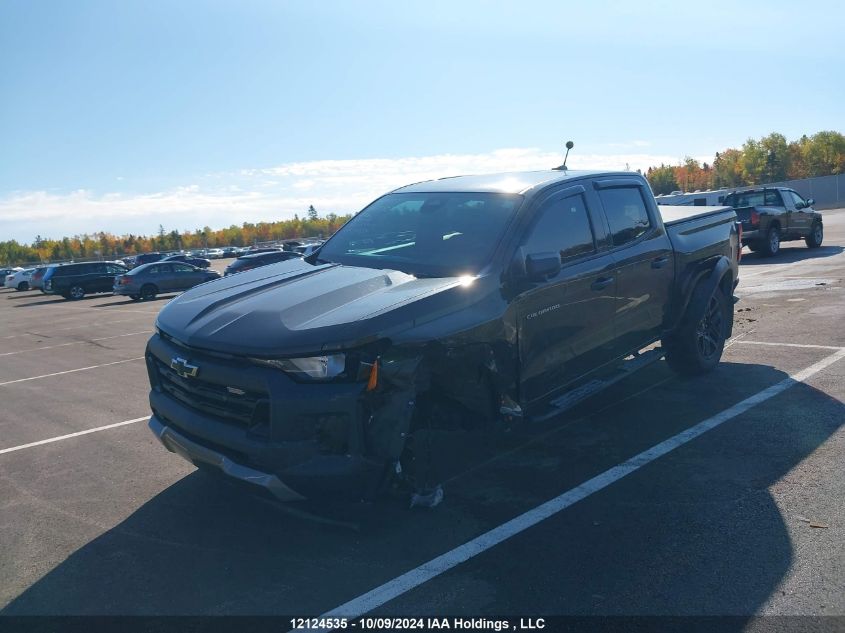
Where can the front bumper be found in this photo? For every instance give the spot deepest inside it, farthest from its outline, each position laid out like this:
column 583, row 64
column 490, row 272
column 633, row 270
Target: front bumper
column 311, row 437
column 198, row 454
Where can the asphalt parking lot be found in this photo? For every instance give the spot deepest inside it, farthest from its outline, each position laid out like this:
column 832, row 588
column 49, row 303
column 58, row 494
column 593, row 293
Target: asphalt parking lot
column 742, row 516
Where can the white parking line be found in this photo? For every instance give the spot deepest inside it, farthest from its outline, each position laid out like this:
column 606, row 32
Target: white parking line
column 69, row 371
column 70, row 435
column 105, row 309
column 773, row 344
column 93, row 340
column 63, row 329
column 414, row 578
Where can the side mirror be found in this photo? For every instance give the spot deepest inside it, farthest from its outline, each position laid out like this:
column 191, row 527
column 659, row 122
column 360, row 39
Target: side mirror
column 540, row 266
column 811, row 202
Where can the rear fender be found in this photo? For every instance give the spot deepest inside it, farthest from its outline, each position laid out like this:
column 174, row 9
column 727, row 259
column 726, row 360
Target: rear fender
column 711, row 273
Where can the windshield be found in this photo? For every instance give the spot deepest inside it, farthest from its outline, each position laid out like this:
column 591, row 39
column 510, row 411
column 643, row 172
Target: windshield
column 428, row 234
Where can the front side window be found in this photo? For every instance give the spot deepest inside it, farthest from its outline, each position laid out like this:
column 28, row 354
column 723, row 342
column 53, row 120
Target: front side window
column 182, row 268
column 428, row 234
column 626, row 213
column 563, row 227
column 798, row 200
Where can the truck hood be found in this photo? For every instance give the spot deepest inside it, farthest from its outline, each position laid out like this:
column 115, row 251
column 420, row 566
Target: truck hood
column 294, row 308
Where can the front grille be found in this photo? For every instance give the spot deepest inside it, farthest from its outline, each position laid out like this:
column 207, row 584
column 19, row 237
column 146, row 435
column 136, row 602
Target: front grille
column 247, row 409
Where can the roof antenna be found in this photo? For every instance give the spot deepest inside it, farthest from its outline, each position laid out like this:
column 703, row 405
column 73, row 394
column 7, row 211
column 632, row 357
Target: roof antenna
column 569, row 146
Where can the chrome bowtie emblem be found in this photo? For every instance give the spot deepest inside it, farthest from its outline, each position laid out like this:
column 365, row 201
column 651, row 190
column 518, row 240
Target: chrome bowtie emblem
column 183, row 367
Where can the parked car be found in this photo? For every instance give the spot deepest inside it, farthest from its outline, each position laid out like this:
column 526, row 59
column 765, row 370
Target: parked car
column 771, row 215
column 231, row 251
column 188, row 259
column 19, row 280
column 5, row 272
column 214, row 253
column 147, row 258
column 74, row 281
column 36, row 282
column 149, row 280
column 444, row 311
column 256, row 260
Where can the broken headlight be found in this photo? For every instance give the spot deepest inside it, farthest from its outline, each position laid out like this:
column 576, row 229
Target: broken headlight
column 311, row 368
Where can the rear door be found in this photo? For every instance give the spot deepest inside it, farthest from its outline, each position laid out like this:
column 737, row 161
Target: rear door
column 565, row 323
column 785, row 209
column 644, row 262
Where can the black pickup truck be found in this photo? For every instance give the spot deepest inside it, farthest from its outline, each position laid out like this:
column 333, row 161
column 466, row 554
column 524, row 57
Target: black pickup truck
column 771, row 215
column 443, row 310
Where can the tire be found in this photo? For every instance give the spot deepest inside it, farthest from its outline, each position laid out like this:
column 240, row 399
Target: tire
column 76, row 293
column 814, row 239
column 23, row 286
column 148, row 292
column 771, row 245
column 697, row 346
column 754, row 247
column 135, row 297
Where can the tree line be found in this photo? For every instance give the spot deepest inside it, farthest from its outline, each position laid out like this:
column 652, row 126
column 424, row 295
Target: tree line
column 769, row 159
column 105, row 245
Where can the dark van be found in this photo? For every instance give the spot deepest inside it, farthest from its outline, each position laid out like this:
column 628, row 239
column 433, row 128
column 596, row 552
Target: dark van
column 74, row 281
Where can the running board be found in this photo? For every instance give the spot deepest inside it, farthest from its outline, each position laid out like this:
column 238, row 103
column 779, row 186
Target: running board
column 592, row 387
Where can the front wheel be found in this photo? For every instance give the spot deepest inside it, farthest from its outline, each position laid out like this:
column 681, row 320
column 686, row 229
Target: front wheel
column 697, row 346
column 76, row 293
column 814, row 239
column 23, row 286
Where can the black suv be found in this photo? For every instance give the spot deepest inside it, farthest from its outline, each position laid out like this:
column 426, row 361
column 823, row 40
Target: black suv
column 148, row 258
column 74, row 281
column 255, row 260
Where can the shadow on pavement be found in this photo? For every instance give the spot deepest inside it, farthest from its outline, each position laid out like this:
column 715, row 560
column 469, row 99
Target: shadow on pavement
column 695, row 532
column 790, row 255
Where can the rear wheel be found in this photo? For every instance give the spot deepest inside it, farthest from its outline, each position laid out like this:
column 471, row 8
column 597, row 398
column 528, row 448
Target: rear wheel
column 24, row 285
column 771, row 244
column 148, row 292
column 754, row 247
column 135, row 297
column 76, row 293
column 697, row 345
column 814, row 239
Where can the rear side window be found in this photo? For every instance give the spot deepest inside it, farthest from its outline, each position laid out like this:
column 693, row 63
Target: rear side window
column 626, row 213
column 564, row 227
column 773, row 198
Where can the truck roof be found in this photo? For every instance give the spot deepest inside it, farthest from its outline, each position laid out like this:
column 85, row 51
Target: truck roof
column 507, row 182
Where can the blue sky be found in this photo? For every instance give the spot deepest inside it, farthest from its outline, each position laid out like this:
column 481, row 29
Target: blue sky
column 125, row 115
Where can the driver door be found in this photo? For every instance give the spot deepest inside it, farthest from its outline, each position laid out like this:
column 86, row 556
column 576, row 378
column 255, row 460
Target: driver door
column 565, row 322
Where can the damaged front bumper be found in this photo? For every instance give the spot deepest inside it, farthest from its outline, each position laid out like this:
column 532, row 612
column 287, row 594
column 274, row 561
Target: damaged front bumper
column 257, row 425
column 198, row 454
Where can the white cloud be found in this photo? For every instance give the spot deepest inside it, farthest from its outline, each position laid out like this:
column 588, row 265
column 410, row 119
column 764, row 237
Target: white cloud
column 273, row 193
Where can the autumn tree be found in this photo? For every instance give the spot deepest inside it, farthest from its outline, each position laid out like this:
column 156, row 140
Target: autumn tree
column 662, row 179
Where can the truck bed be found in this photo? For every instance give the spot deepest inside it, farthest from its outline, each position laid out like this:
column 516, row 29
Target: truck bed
column 673, row 214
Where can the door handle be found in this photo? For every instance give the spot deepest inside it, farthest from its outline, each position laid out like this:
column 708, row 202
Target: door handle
column 659, row 262
column 601, row 283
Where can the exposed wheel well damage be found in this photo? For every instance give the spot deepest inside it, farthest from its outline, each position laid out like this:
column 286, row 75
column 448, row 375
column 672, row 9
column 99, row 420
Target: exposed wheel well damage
column 428, row 400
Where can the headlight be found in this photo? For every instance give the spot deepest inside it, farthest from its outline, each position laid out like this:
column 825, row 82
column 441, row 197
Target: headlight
column 310, row 368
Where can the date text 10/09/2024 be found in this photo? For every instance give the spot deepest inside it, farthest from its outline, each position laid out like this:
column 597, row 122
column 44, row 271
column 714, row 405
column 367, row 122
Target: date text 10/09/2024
column 418, row 624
